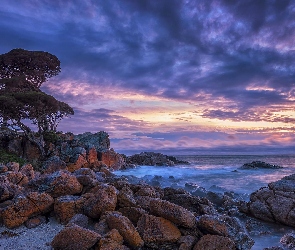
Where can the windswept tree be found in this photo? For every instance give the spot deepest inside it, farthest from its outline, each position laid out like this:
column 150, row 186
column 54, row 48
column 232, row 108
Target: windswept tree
column 35, row 66
column 21, row 99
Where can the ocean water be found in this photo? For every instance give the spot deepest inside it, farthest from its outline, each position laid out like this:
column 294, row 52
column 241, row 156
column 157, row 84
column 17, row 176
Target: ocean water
column 220, row 173
column 216, row 172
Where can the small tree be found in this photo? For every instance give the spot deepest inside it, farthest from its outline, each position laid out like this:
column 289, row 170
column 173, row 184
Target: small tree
column 21, row 99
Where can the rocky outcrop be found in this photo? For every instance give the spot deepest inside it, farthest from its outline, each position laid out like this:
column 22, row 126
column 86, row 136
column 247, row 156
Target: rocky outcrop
column 275, row 203
column 122, row 215
column 258, row 165
column 153, row 159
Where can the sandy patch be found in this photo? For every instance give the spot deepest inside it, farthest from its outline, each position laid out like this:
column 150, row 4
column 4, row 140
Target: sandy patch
column 23, row 238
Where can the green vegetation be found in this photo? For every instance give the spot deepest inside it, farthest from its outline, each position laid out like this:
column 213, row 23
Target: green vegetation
column 6, row 157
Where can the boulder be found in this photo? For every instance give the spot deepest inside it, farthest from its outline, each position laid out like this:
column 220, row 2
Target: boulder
column 112, row 241
column 175, row 213
column 214, row 242
column 75, row 238
column 116, row 220
column 157, row 230
column 225, row 226
column 24, row 207
column 101, row 198
column 275, row 203
column 60, row 183
column 86, row 177
column 53, row 164
column 197, row 205
column 126, row 198
column 7, row 189
column 65, row 207
column 132, row 213
column 28, row 171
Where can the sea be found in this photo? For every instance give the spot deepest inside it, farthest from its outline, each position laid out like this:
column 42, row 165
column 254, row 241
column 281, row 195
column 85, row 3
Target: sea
column 220, row 173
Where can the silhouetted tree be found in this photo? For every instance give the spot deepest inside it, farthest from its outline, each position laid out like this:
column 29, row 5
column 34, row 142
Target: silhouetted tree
column 21, row 99
column 35, row 66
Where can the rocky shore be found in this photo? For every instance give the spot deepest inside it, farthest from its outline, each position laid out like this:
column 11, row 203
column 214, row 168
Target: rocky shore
column 97, row 210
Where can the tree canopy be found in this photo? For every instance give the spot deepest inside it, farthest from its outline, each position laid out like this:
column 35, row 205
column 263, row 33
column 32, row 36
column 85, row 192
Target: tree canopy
column 21, row 74
column 35, row 66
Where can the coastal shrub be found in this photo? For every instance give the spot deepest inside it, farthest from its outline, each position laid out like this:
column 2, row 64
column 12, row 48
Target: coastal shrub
column 6, row 157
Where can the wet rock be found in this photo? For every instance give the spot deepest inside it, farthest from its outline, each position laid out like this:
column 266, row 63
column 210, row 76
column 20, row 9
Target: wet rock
column 75, row 238
column 53, row 164
column 214, row 242
column 259, row 164
column 226, row 226
column 274, row 203
column 288, row 241
column 116, row 220
column 157, row 230
column 61, row 183
column 175, row 213
column 24, row 207
column 112, row 241
column 101, row 198
column 65, row 207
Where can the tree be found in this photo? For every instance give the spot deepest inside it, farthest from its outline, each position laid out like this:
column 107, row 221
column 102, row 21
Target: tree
column 21, row 99
column 35, row 66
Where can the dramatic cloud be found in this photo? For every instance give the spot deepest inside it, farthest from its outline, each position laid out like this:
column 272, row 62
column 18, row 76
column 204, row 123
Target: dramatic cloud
column 169, row 66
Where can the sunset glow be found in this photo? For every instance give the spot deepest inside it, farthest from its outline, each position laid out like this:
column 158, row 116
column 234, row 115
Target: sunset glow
column 168, row 75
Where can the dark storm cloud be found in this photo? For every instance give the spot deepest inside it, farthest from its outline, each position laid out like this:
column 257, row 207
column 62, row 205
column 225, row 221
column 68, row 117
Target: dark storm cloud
column 174, row 49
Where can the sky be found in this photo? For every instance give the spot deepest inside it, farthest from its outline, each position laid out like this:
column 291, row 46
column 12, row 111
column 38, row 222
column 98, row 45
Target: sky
column 174, row 76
